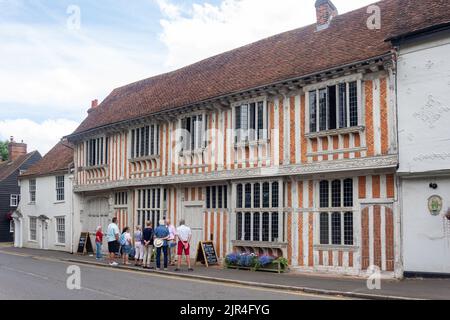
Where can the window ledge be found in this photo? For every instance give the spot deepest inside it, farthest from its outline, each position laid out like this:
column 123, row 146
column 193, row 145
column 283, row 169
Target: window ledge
column 324, row 247
column 33, row 203
column 335, row 132
column 59, row 202
column 251, row 143
column 104, row 166
column 190, row 153
column 154, row 157
column 259, row 244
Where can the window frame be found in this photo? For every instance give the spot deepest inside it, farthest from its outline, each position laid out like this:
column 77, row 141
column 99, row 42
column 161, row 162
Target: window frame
column 58, row 231
column 32, row 221
column 146, row 148
column 314, row 128
column 96, row 151
column 255, row 130
column 331, row 212
column 14, row 200
column 151, row 205
column 269, row 219
column 197, row 138
column 60, row 190
column 32, row 187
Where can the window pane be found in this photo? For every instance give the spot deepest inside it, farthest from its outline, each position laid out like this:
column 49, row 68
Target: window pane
column 208, row 197
column 219, row 197
column 265, row 227
column 256, row 195
column 225, row 197
column 260, row 120
column 239, row 226
column 266, row 195
column 324, row 194
column 239, row 196
column 213, row 198
column 348, row 193
column 336, row 193
column 247, row 227
column 332, row 119
column 348, row 228
column 336, row 228
column 275, row 198
column 252, row 121
column 256, row 222
column 248, row 195
column 342, row 105
column 312, row 111
column 353, row 96
column 323, row 110
column 324, row 228
column 275, row 227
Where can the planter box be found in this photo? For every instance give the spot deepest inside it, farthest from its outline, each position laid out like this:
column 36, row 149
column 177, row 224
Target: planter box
column 275, row 267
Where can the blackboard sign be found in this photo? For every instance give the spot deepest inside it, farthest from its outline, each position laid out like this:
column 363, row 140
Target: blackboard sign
column 85, row 244
column 206, row 253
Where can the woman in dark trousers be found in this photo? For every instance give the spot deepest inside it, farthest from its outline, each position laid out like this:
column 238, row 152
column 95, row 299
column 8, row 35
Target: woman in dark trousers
column 147, row 241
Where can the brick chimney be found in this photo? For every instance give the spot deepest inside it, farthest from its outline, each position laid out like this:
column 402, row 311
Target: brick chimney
column 94, row 105
column 326, row 11
column 16, row 150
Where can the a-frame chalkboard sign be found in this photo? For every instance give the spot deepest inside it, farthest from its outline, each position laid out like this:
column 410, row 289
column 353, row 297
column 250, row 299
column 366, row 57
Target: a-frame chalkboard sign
column 85, row 244
column 206, row 253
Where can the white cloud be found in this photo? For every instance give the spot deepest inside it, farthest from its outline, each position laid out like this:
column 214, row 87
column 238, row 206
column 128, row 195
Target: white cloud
column 63, row 70
column 203, row 30
column 39, row 136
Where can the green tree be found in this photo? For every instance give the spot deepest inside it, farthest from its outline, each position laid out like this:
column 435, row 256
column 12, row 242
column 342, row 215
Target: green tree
column 4, row 150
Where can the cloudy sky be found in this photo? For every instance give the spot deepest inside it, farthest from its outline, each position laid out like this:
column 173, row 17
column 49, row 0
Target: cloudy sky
column 57, row 55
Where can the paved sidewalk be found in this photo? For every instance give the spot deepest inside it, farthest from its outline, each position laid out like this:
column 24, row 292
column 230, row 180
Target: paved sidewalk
column 345, row 286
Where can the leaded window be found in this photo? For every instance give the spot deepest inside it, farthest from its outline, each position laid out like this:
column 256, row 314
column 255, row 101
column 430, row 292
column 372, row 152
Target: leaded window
column 336, row 216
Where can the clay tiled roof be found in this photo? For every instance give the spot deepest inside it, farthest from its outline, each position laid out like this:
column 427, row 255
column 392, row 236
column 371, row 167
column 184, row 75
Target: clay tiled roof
column 7, row 168
column 289, row 55
column 58, row 159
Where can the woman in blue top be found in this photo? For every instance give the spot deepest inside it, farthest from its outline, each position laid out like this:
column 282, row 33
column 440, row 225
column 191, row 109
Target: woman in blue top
column 161, row 235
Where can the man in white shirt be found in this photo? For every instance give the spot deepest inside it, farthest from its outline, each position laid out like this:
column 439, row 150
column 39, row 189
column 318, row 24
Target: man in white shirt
column 113, row 241
column 184, row 235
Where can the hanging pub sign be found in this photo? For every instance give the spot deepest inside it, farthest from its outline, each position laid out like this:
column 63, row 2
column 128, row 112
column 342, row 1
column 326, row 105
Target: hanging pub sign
column 85, row 244
column 435, row 205
column 206, row 253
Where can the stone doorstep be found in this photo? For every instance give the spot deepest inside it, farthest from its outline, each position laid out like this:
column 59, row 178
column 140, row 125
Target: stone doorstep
column 327, row 292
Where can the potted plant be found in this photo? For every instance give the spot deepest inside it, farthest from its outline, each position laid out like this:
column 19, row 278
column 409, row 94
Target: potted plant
column 250, row 261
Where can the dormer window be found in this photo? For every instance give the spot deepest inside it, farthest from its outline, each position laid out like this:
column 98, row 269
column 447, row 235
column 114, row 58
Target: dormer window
column 145, row 141
column 334, row 106
column 251, row 121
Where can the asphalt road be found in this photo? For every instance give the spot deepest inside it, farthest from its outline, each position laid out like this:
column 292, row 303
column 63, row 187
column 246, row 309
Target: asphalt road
column 26, row 278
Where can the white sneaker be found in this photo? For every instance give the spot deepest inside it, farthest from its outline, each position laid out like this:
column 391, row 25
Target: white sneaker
column 113, row 264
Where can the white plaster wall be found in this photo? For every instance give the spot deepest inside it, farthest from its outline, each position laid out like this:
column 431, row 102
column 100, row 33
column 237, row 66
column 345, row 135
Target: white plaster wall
column 424, row 105
column 47, row 205
column 426, row 238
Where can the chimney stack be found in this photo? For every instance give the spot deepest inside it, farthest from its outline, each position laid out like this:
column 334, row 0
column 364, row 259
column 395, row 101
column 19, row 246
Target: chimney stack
column 326, row 11
column 15, row 149
column 94, row 105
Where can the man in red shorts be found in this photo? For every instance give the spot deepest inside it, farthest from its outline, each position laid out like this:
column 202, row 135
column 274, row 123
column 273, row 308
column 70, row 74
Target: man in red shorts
column 184, row 235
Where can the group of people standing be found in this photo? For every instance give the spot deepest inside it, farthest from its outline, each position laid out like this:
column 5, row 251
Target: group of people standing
column 165, row 238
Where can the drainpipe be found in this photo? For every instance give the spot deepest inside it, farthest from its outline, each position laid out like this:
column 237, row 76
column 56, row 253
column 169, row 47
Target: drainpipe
column 72, row 213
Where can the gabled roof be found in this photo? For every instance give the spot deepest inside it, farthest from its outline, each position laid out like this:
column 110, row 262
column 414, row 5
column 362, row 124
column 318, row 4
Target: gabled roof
column 57, row 160
column 289, row 55
column 7, row 168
